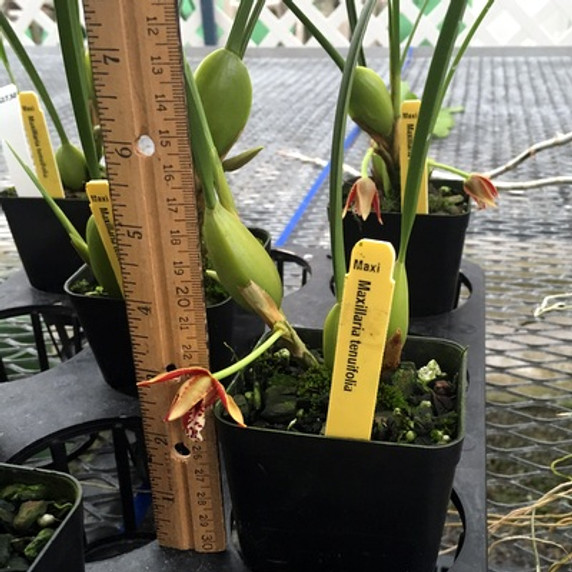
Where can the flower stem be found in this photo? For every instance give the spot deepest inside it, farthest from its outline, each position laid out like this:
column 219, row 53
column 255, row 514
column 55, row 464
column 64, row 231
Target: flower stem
column 449, row 168
column 364, row 171
column 254, row 354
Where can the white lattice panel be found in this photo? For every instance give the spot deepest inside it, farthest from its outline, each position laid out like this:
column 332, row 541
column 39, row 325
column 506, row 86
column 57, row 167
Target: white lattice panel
column 509, row 23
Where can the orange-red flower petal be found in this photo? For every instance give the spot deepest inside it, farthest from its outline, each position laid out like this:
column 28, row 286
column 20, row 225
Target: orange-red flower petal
column 363, row 196
column 481, row 189
column 195, row 395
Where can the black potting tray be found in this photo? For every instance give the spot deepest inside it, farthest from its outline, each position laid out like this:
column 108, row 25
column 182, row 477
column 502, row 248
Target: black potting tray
column 46, row 410
column 18, row 298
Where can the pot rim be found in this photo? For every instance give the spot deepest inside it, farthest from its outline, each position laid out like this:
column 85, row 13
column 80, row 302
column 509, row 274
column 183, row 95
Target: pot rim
column 461, row 409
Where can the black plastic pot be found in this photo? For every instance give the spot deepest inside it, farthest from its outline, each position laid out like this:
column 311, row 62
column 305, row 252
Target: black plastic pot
column 64, row 551
column 307, row 502
column 433, row 257
column 43, row 245
column 104, row 321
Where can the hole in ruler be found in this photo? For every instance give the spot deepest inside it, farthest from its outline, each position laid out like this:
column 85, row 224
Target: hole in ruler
column 182, row 449
column 170, row 367
column 145, row 145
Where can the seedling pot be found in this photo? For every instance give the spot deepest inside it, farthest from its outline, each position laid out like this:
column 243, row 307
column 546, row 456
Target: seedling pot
column 44, row 246
column 433, row 256
column 307, row 502
column 64, row 550
column 104, row 321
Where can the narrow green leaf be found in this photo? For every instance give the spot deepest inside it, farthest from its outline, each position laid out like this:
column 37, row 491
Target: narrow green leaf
column 316, row 33
column 352, row 21
column 239, row 24
column 393, row 8
column 75, row 237
column 35, row 78
column 206, row 159
column 73, row 52
column 431, row 102
column 412, row 33
column 201, row 140
column 5, row 61
column 467, row 41
column 238, row 161
column 251, row 24
column 337, row 156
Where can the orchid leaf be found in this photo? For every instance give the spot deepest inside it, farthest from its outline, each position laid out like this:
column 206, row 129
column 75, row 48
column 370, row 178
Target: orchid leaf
column 316, row 33
column 5, row 61
column 337, row 156
column 202, row 145
column 76, row 239
column 249, row 28
column 431, row 102
column 73, row 52
column 32, row 73
column 238, row 161
column 234, row 42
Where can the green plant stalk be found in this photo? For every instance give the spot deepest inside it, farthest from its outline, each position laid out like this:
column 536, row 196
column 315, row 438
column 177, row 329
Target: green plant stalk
column 431, row 101
column 316, row 33
column 393, row 8
column 466, row 42
column 206, row 159
column 276, row 334
column 412, row 34
column 75, row 237
column 352, row 20
column 32, row 73
column 249, row 28
column 4, row 58
column 368, row 155
column 337, row 157
column 71, row 41
column 449, row 168
column 234, row 41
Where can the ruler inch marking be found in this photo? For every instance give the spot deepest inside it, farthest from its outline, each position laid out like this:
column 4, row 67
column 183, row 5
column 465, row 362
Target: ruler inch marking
column 138, row 71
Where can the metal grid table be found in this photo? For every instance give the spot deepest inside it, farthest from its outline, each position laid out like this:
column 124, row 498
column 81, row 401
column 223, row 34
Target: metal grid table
column 512, row 99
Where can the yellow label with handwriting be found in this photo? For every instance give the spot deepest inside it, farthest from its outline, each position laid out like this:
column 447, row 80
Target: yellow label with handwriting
column 40, row 145
column 407, row 124
column 362, row 331
column 100, row 205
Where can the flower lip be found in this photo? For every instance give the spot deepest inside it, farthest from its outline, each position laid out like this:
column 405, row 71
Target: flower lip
column 195, row 395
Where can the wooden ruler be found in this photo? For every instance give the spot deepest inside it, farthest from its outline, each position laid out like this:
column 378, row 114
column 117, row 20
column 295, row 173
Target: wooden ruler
column 137, row 65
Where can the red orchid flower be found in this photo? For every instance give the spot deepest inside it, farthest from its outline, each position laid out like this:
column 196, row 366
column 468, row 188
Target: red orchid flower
column 362, row 197
column 196, row 394
column 481, row 189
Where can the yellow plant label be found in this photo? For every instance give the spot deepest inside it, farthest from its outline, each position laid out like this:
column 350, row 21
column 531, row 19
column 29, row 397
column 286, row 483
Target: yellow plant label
column 100, row 205
column 40, row 145
column 12, row 133
column 362, row 332
column 407, row 124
